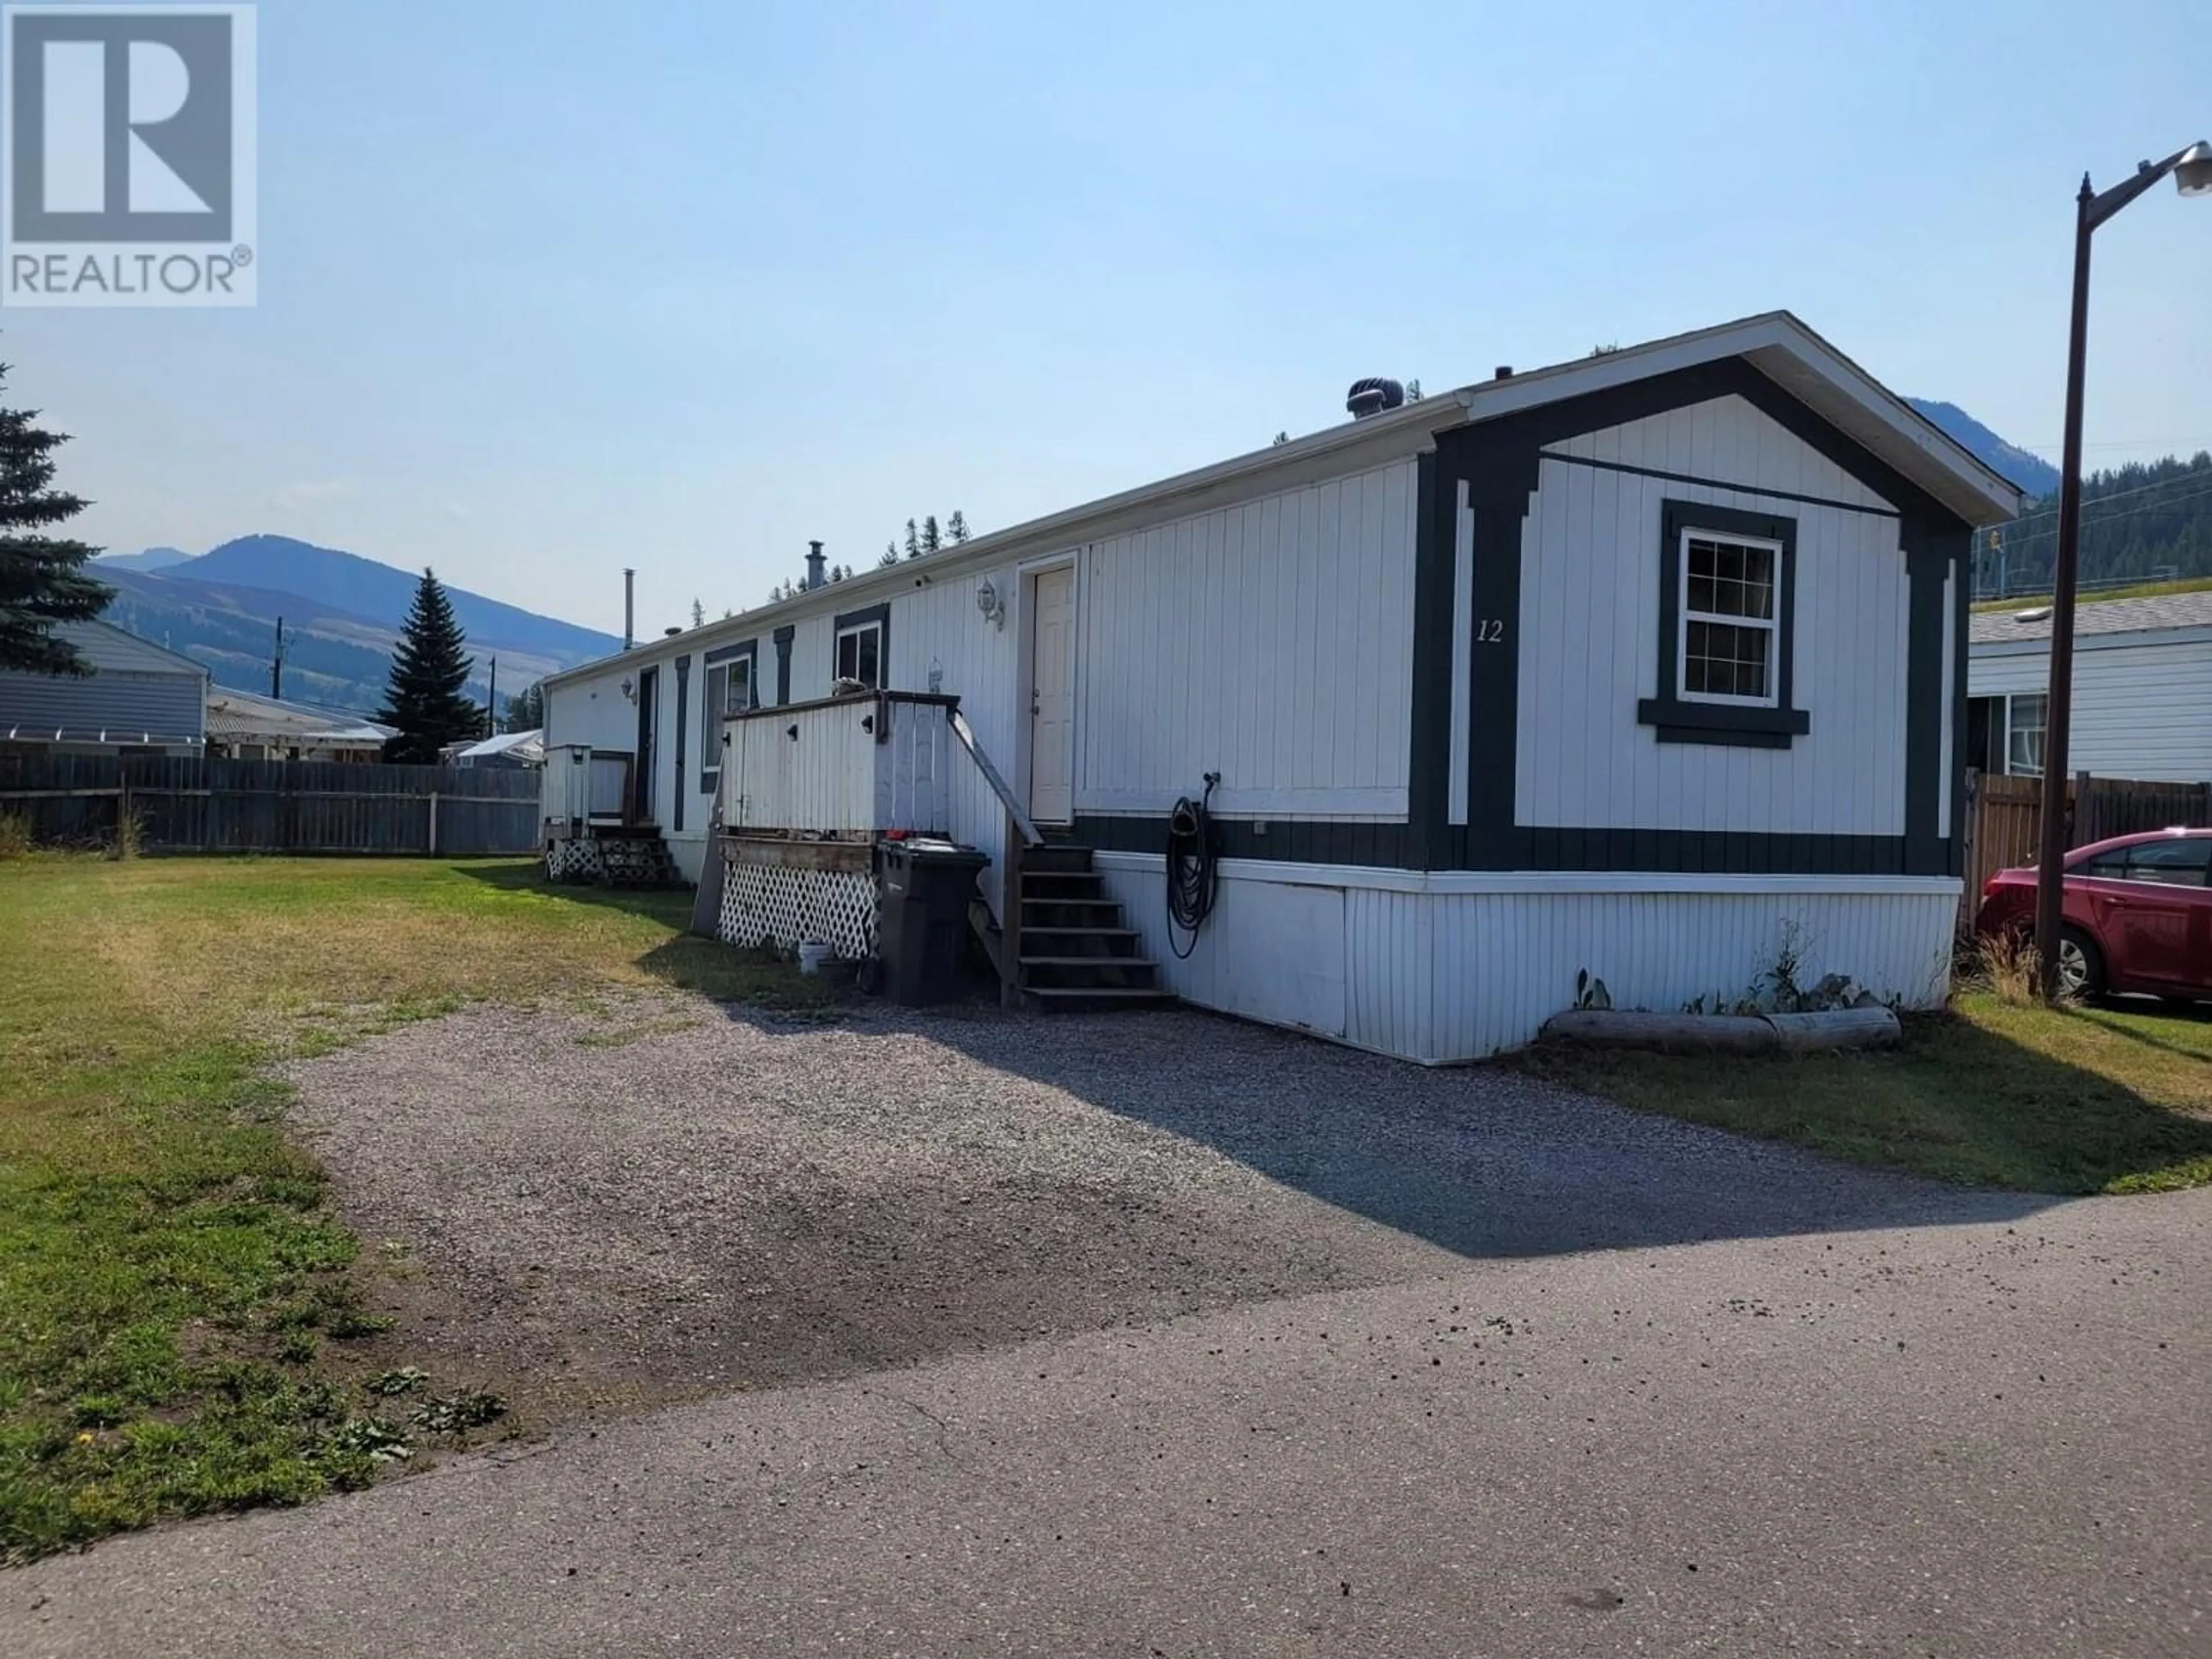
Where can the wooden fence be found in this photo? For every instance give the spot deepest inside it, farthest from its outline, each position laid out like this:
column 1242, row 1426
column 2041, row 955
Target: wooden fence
column 194, row 804
column 2004, row 819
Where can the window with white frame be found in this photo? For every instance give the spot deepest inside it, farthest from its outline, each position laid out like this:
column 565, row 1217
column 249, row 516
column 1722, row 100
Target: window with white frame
column 1730, row 631
column 860, row 653
column 1727, row 594
column 728, row 690
column 2024, row 716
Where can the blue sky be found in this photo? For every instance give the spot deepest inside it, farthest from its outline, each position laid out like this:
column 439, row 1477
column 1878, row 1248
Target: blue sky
column 550, row 289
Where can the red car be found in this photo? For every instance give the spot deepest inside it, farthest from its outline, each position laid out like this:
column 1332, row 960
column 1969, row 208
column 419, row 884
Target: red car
column 2138, row 913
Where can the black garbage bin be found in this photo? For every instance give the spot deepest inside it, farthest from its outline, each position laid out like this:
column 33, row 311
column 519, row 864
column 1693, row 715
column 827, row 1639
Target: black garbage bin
column 926, row 884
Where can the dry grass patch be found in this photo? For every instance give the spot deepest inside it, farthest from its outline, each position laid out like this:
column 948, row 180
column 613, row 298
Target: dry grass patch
column 176, row 1298
column 2098, row 1098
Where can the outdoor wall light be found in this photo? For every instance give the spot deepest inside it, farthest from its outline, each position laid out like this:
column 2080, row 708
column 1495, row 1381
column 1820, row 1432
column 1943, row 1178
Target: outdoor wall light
column 630, row 689
column 988, row 601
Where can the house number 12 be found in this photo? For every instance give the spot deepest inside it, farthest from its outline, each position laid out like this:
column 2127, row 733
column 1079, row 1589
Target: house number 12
column 1489, row 630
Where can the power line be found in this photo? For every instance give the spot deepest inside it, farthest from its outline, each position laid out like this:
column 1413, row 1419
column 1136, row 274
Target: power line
column 2188, row 477
column 2089, row 518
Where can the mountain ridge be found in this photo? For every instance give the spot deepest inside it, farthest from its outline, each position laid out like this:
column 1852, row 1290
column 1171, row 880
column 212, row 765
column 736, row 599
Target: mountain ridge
column 343, row 614
column 2035, row 475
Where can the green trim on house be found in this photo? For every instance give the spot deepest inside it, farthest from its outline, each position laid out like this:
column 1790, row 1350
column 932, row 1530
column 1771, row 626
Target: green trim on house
column 784, row 636
column 1500, row 461
column 1688, row 719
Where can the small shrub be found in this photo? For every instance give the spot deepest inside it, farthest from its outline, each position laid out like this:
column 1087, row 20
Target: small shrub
column 450, row 1414
column 14, row 836
column 405, row 1380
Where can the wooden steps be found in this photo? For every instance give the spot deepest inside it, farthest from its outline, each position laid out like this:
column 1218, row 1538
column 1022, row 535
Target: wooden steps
column 1075, row 950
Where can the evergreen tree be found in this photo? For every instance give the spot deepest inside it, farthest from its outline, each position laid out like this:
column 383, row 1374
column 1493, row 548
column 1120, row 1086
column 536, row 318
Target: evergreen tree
column 931, row 538
column 913, row 541
column 427, row 699
column 1413, row 389
column 956, row 527
column 1280, row 438
column 698, row 614
column 43, row 579
column 525, row 709
column 891, row 556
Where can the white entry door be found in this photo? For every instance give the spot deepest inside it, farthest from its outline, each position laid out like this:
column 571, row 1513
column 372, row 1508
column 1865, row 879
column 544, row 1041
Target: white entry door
column 1051, row 695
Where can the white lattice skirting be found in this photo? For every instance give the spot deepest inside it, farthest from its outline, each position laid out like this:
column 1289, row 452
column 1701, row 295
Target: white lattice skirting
column 763, row 903
column 573, row 860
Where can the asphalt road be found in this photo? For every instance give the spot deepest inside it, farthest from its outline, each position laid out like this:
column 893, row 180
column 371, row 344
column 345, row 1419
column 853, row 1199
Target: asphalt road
column 1979, row 1438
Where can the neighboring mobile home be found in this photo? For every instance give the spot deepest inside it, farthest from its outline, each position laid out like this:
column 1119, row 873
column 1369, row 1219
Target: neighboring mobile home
column 2142, row 687
column 245, row 726
column 138, row 699
column 1647, row 666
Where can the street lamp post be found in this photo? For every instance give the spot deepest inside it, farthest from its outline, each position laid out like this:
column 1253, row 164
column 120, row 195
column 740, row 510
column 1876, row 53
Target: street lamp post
column 2192, row 175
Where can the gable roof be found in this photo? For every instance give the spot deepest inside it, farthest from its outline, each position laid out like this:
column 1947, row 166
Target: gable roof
column 247, row 716
column 1775, row 343
column 115, row 650
column 2157, row 613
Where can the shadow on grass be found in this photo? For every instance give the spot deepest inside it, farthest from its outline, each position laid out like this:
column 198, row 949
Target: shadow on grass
column 751, row 979
column 1981, row 1098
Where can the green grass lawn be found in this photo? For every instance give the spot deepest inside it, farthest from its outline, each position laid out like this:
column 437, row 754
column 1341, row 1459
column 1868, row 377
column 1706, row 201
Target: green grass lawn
column 176, row 1300
column 2107, row 1098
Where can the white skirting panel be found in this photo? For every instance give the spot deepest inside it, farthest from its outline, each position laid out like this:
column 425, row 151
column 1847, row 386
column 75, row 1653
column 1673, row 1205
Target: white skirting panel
column 1436, row 970
column 1506, row 962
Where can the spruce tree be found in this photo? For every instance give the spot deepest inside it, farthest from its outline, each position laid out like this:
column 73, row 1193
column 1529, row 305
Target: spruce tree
column 956, row 527
column 426, row 699
column 891, row 556
column 913, row 541
column 43, row 579
column 525, row 710
column 931, row 540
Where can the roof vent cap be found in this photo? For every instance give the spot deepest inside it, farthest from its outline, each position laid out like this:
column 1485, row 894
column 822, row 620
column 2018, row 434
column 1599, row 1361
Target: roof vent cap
column 1372, row 396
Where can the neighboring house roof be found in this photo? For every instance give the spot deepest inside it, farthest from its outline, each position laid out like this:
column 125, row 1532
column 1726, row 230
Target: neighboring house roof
column 1775, row 343
column 2029, row 623
column 109, row 649
column 246, row 717
column 523, row 745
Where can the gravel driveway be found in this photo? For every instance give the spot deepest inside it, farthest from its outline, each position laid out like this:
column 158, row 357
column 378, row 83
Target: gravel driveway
column 671, row 1198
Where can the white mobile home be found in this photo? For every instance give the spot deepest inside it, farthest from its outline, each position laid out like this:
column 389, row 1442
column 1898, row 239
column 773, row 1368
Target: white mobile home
column 1636, row 665
column 2142, row 687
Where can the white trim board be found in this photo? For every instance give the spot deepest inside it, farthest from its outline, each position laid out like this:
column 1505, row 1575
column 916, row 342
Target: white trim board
column 1545, row 881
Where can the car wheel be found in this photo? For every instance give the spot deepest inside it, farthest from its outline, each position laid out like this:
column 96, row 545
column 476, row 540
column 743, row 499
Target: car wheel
column 2081, row 964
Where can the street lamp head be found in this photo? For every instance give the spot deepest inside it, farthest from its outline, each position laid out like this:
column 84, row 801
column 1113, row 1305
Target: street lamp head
column 2192, row 174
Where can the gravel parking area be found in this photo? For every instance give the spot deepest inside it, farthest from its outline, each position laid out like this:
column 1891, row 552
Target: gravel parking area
column 668, row 1197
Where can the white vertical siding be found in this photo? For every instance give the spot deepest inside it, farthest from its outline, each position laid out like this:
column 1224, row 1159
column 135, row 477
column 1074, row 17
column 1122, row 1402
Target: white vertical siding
column 1505, row 962
column 1271, row 641
column 937, row 628
column 1389, row 945
column 824, row 779
column 1445, row 976
column 2140, row 711
column 1726, row 438
column 1589, row 640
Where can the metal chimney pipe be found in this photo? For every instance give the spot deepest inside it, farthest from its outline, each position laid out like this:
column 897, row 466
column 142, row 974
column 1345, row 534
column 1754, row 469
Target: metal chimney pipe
column 629, row 607
column 815, row 574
